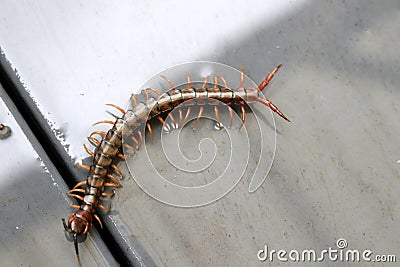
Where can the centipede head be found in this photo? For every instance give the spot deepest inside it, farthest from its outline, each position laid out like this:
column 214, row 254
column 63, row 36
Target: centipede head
column 79, row 224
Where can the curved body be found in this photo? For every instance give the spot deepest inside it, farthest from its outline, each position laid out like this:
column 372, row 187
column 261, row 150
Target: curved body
column 80, row 222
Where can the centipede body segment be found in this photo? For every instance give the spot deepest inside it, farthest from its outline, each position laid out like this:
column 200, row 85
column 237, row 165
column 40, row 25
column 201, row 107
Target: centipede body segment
column 103, row 173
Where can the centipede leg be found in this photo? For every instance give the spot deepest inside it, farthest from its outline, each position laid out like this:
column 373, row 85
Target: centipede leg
column 74, row 206
column 153, row 90
column 85, row 167
column 204, row 86
column 79, row 184
column 108, row 195
column 150, row 131
column 104, row 121
column 134, row 140
column 198, row 117
column 93, row 141
column 217, row 116
column 187, row 114
column 75, row 195
column 230, row 116
column 127, row 146
column 163, row 123
column 78, row 190
column 117, row 107
column 215, row 82
column 88, row 150
column 98, row 220
column 114, row 179
column 264, row 83
column 118, row 170
column 173, row 119
column 243, row 114
column 189, row 83
column 111, row 185
column 171, row 84
column 134, row 100
column 103, row 207
column 101, row 133
column 223, row 81
column 241, row 84
column 140, row 138
column 180, row 118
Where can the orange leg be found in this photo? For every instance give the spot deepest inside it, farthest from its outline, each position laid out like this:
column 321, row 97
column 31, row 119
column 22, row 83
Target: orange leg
column 217, row 115
column 111, row 184
column 241, row 84
column 75, row 195
column 98, row 220
column 243, row 114
column 117, row 107
column 104, row 121
column 88, row 150
column 230, row 116
column 104, row 194
column 187, row 114
column 103, row 207
column 74, row 206
column 150, row 131
column 140, row 138
column 79, row 184
column 198, row 117
column 114, row 179
column 153, row 90
column 134, row 100
column 204, row 86
column 101, row 133
column 78, row 190
column 93, row 141
column 85, row 167
column 180, row 117
column 189, row 83
column 171, row 84
column 118, row 170
column 223, row 81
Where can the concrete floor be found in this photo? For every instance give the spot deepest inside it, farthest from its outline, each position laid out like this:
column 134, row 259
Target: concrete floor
column 335, row 173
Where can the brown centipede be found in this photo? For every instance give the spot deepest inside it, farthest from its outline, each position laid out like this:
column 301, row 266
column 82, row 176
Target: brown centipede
column 103, row 172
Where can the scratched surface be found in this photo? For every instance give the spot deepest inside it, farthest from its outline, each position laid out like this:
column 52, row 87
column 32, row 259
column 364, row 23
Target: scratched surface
column 335, row 173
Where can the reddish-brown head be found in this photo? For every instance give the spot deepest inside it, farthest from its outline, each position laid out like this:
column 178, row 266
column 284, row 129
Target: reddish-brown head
column 79, row 223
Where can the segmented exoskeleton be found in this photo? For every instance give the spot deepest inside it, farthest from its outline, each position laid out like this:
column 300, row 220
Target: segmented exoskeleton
column 103, row 169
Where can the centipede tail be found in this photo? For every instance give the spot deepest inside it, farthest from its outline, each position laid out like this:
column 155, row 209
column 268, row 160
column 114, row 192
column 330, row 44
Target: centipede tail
column 103, row 174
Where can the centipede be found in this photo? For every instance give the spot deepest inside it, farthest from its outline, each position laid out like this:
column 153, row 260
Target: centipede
column 103, row 173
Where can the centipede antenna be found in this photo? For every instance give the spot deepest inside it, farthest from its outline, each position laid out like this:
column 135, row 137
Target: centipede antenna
column 76, row 249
